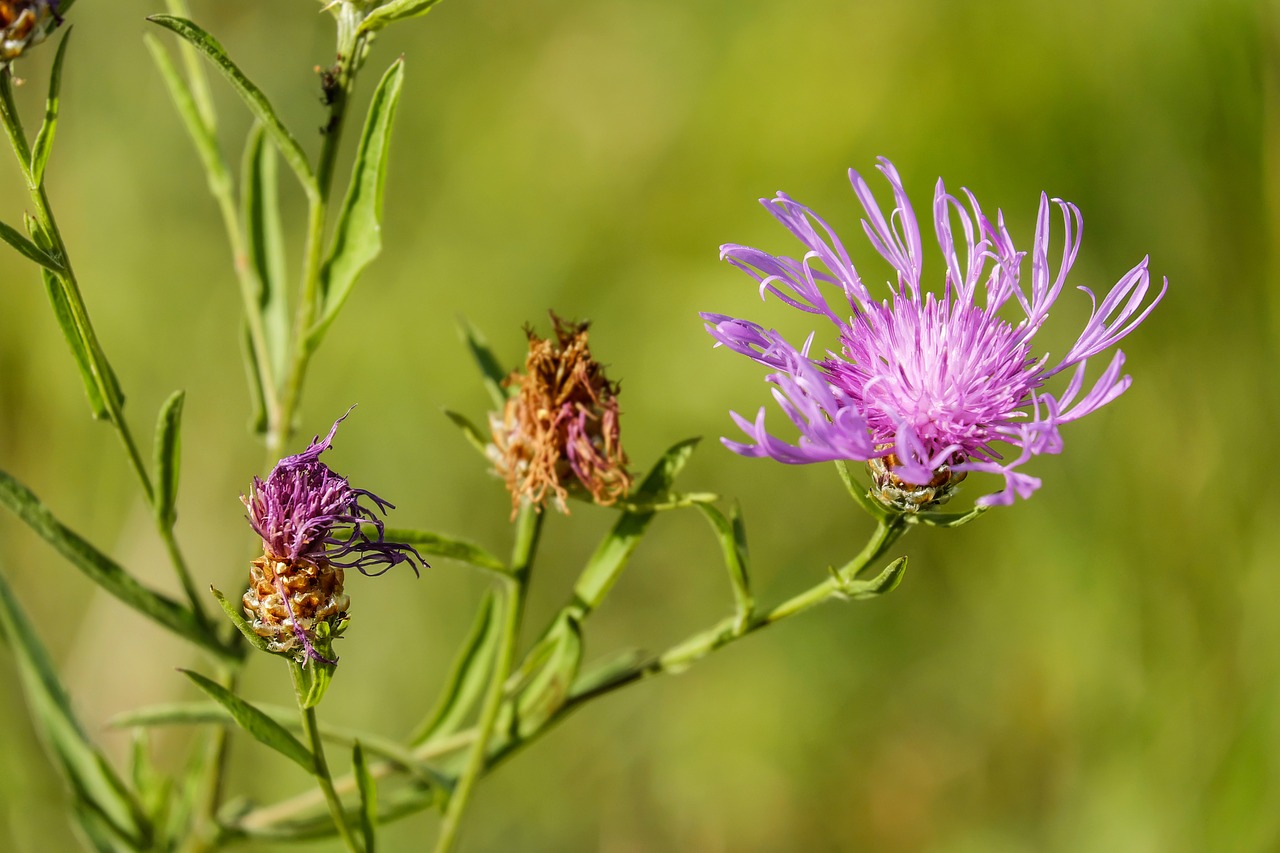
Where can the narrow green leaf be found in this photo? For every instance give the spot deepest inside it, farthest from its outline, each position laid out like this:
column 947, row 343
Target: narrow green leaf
column 319, row 824
column 613, row 552
column 368, row 798
column 44, row 138
column 79, row 346
column 265, row 239
column 468, row 679
column 732, row 535
column 357, row 237
column 470, row 432
column 252, row 96
column 948, row 519
column 199, row 125
column 103, row 571
column 886, row 581
column 153, row 788
column 396, row 10
column 552, row 667
column 438, row 545
column 625, row 665
column 93, row 782
column 255, row 722
column 27, row 249
column 232, row 610
column 859, row 493
column 168, row 449
column 491, row 370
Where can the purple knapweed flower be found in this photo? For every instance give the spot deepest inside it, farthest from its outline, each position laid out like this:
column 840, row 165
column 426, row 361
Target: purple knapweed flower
column 925, row 386
column 313, row 525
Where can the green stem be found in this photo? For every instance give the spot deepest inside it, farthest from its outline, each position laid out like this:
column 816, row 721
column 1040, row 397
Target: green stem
column 528, row 526
column 204, row 836
column 311, row 730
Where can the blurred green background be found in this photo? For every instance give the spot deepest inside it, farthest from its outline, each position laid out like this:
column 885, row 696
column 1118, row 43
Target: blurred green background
column 1095, row 669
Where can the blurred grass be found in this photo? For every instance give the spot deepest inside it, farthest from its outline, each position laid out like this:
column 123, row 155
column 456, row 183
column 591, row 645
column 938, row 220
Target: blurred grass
column 1096, row 669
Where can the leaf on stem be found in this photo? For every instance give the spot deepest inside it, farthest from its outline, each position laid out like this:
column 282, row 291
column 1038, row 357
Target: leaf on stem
column 469, row 677
column 44, row 137
column 357, row 237
column 886, row 581
column 97, row 788
column 368, row 797
column 470, row 432
column 451, row 547
column 491, row 370
column 319, row 822
column 255, row 722
column 27, row 249
column 265, row 243
column 168, row 448
column 613, row 552
column 98, row 386
column 252, row 96
column 237, row 618
column 396, row 10
column 948, row 519
column 102, row 570
column 542, row 685
column 733, row 543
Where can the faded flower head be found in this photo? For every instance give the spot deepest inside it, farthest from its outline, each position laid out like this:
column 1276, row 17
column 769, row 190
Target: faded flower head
column 560, row 430
column 313, row 525
column 925, row 386
column 24, row 23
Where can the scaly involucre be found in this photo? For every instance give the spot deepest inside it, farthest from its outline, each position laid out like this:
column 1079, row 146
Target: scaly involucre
column 928, row 383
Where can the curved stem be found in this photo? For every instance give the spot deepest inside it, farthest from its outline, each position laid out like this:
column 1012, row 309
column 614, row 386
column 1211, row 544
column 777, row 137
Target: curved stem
column 528, row 525
column 312, row 731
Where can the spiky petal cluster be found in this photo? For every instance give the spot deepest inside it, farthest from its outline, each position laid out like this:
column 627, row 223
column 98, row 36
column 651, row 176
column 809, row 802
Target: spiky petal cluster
column 928, row 383
column 560, row 429
column 313, row 525
column 24, row 23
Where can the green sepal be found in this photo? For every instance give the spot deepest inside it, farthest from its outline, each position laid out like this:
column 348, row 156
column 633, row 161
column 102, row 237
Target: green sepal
column 311, row 678
column 541, row 685
column 357, row 236
column 395, row 10
column 887, row 581
column 103, row 571
column 733, row 543
column 368, row 790
column 44, row 137
column 491, row 370
column 264, row 242
column 237, row 618
column 611, row 555
column 252, row 96
column 439, row 545
column 97, row 790
column 468, row 678
column 167, row 452
column 255, row 722
column 469, row 431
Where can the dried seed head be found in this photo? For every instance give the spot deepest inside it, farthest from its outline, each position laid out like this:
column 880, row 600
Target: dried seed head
column 24, row 23
column 898, row 494
column 560, row 429
column 298, row 607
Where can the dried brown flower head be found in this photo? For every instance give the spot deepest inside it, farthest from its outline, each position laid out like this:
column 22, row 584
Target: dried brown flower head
column 288, row 602
column 559, row 430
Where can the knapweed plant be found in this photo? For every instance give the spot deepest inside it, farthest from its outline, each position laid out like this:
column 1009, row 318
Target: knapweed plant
column 924, row 380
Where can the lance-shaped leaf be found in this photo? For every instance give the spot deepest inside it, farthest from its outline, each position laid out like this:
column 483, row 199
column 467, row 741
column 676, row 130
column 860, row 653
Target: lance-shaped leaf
column 265, row 243
column 237, row 618
column 733, row 542
column 252, row 96
column 439, row 545
column 542, row 684
column 613, row 552
column 100, row 384
column 357, row 237
column 168, row 450
column 947, row 519
column 395, row 10
column 491, row 370
column 27, row 249
column 468, row 678
column 368, row 790
column 102, row 570
column 886, row 581
column 44, row 138
column 98, row 790
column 255, row 722
column 470, row 432
column 319, row 823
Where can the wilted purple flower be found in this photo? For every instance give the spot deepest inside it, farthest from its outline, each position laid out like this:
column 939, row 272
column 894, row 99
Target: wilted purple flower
column 926, row 384
column 313, row 525
column 24, row 23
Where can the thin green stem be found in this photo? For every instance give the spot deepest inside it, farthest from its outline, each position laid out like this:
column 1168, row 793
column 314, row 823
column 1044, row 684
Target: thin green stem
column 528, row 526
column 204, row 835
column 311, row 730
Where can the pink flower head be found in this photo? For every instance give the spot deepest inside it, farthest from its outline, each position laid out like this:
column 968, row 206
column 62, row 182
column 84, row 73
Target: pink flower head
column 928, row 382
